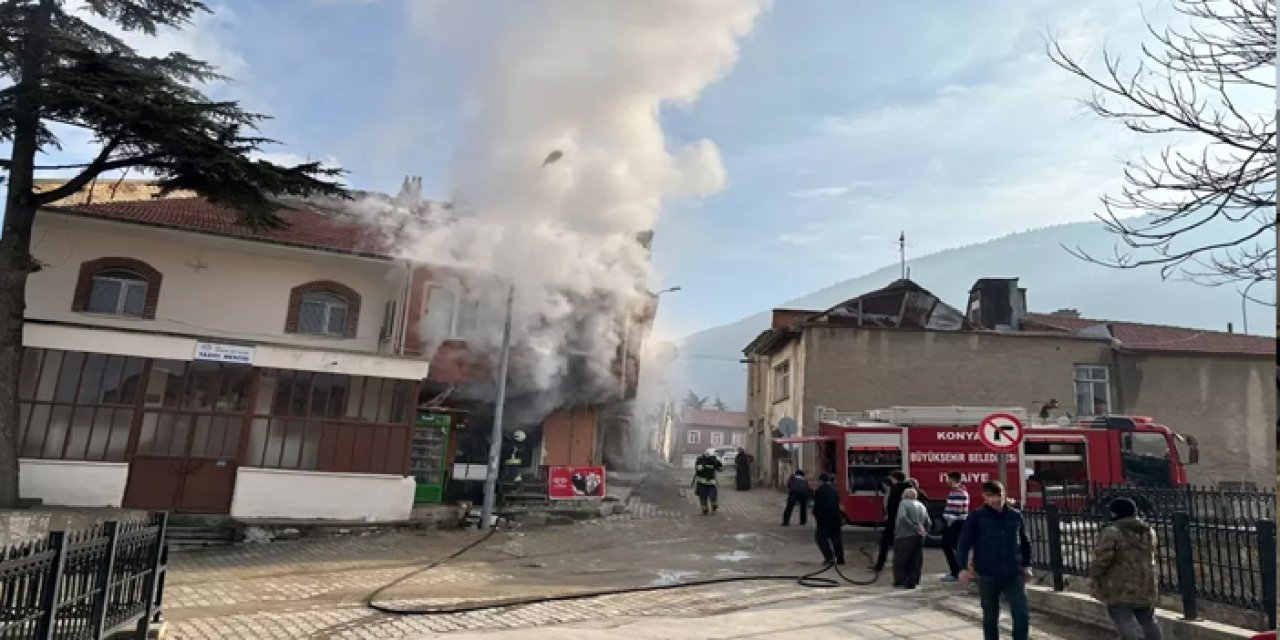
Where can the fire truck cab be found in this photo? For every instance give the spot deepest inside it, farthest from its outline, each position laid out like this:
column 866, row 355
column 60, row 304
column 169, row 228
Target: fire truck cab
column 928, row 442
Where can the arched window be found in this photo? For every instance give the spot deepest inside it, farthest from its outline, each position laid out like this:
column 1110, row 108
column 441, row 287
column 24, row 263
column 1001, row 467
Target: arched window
column 117, row 286
column 323, row 313
column 323, row 308
column 118, row 292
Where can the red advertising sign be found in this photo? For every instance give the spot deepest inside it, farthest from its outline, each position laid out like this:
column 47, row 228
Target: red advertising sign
column 568, row 483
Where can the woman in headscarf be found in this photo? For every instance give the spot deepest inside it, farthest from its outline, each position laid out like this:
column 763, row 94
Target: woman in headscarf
column 742, row 465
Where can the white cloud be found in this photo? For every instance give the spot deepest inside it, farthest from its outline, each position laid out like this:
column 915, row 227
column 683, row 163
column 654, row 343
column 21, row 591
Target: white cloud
column 290, row 159
column 820, row 192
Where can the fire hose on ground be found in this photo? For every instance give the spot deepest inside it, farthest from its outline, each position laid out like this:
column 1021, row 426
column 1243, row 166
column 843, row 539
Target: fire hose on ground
column 811, row 580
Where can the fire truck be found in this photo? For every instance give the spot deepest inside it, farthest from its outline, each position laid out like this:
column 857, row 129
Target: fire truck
column 1068, row 458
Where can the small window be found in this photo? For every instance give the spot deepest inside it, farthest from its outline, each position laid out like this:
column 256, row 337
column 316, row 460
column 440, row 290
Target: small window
column 739, row 439
column 782, row 381
column 118, row 292
column 695, row 437
column 323, row 308
column 1093, row 390
column 323, row 313
column 717, row 438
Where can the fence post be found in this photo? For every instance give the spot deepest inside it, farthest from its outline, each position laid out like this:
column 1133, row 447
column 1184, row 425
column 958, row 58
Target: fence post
column 1267, row 562
column 48, row 623
column 106, row 568
column 1054, row 518
column 154, row 580
column 1183, row 556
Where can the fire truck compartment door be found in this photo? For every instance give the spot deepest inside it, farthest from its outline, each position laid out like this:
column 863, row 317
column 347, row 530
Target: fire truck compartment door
column 803, row 439
column 877, row 440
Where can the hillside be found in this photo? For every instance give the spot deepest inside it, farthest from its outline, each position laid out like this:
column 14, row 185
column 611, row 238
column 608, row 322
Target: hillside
column 1054, row 280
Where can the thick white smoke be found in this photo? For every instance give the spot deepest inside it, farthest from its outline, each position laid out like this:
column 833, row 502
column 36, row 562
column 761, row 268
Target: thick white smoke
column 586, row 79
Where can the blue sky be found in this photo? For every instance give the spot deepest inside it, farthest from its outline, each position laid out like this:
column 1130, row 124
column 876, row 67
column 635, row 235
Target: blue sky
column 841, row 124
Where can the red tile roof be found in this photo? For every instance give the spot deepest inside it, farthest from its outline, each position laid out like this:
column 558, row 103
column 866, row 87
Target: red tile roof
column 1153, row 337
column 713, row 418
column 305, row 228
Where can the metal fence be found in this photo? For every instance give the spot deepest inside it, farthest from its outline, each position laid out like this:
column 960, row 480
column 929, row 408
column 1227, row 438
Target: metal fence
column 84, row 584
column 1214, row 546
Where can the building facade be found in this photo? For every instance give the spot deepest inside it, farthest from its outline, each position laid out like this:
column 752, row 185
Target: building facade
column 702, row 429
column 174, row 359
column 1211, row 385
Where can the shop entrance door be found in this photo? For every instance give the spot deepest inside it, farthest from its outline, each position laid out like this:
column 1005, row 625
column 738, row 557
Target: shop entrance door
column 186, row 441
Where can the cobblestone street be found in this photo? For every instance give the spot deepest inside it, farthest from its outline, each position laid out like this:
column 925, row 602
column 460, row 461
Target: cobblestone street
column 315, row 588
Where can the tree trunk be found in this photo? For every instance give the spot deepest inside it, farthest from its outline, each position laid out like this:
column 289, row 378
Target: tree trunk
column 15, row 244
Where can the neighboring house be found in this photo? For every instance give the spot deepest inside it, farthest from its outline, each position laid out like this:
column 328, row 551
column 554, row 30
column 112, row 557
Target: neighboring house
column 702, row 429
column 902, row 346
column 177, row 360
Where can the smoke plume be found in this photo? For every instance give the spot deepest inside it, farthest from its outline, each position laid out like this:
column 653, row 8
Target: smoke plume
column 563, row 166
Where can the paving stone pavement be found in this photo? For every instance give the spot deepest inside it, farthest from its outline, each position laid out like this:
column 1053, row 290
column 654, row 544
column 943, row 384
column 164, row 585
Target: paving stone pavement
column 315, row 588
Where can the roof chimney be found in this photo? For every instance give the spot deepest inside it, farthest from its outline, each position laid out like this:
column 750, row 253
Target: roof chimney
column 997, row 303
column 1230, row 328
column 1066, row 313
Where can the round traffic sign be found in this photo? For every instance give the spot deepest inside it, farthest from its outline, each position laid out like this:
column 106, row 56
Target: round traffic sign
column 1001, row 432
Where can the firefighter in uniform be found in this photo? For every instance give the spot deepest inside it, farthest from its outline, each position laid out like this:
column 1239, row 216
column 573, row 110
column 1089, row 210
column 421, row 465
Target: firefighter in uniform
column 704, row 480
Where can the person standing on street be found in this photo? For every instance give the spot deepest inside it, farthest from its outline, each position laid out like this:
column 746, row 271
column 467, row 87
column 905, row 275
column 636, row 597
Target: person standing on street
column 1123, row 573
column 742, row 468
column 996, row 536
column 953, row 515
column 910, row 528
column 829, row 519
column 797, row 494
column 704, row 480
column 899, row 484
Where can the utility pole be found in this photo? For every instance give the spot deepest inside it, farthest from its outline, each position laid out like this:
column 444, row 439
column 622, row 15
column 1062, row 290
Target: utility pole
column 495, row 442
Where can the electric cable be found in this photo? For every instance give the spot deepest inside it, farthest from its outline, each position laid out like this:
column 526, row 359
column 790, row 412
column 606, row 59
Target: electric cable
column 811, row 580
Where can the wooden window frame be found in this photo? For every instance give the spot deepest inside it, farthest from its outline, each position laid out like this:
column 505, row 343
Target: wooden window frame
column 781, row 381
column 90, row 268
column 323, row 286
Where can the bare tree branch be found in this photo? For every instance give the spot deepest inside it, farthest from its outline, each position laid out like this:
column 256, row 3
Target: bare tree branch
column 1189, row 84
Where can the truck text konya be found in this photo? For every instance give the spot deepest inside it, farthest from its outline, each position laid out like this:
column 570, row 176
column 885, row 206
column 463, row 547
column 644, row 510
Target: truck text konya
column 928, row 442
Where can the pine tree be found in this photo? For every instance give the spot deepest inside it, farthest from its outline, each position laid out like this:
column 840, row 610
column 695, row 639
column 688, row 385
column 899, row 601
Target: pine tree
column 719, row 404
column 146, row 115
column 693, row 400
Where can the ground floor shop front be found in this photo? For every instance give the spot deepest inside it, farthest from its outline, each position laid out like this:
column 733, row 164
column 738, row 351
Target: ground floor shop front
column 112, row 418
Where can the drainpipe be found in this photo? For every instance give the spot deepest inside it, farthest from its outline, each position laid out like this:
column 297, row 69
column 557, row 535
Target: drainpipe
column 406, row 296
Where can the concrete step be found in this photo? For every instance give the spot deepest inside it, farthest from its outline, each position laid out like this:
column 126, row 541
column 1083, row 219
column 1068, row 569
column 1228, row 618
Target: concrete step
column 196, row 536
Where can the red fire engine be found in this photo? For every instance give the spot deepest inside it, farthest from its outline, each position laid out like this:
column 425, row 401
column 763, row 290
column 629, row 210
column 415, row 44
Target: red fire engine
column 928, row 442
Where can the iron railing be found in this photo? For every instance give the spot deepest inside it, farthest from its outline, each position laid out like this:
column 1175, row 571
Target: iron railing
column 86, row 584
column 1214, row 546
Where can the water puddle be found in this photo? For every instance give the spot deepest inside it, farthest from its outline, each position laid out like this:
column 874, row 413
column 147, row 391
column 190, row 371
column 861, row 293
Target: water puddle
column 733, row 556
column 666, row 578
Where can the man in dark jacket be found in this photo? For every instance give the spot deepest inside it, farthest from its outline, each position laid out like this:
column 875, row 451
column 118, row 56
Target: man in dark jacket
column 1123, row 573
column 900, row 484
column 996, row 536
column 827, row 517
column 797, row 494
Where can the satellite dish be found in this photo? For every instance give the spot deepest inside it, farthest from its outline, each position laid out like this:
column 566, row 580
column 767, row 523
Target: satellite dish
column 787, row 427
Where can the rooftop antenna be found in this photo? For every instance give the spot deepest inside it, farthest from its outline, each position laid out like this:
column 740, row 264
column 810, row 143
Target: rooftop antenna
column 902, row 254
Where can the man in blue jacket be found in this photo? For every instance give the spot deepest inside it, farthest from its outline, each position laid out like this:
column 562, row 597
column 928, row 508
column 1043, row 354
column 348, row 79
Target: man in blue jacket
column 996, row 535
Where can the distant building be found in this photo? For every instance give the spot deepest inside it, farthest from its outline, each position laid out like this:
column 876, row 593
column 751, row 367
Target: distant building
column 702, row 429
column 901, row 345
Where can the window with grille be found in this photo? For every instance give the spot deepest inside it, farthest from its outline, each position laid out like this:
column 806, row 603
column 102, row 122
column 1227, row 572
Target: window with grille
column 695, row 437
column 739, row 439
column 117, row 292
column 323, row 313
column 717, row 438
column 1093, row 390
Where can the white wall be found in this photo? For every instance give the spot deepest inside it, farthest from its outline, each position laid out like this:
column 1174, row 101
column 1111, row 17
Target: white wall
column 212, row 286
column 310, row 495
column 75, row 484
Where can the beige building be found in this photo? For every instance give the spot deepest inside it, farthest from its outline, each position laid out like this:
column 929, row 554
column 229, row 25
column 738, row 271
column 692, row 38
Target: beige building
column 902, row 346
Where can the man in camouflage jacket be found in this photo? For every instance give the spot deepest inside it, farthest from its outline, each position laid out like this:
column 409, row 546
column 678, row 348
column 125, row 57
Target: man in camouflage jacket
column 1123, row 573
